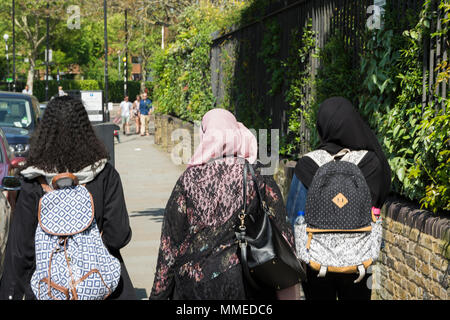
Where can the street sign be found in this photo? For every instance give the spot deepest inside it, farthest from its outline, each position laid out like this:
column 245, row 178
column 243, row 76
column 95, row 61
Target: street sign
column 9, row 80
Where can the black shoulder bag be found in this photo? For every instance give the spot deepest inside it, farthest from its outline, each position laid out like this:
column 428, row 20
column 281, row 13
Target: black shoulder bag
column 267, row 259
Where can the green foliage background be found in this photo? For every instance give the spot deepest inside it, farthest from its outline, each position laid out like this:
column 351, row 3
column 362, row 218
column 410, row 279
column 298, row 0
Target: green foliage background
column 181, row 72
column 115, row 88
column 386, row 88
column 415, row 138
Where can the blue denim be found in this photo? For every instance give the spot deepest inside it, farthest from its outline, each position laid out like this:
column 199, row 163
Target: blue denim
column 296, row 200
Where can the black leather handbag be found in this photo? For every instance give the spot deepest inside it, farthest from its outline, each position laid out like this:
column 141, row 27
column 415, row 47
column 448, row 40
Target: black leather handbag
column 267, row 259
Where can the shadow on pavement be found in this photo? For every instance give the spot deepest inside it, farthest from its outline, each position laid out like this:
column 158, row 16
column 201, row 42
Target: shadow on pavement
column 155, row 214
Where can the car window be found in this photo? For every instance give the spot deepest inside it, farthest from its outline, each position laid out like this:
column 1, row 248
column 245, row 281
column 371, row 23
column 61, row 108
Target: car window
column 15, row 113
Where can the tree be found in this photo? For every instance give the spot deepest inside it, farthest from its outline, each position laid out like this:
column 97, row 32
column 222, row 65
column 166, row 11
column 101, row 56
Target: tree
column 147, row 20
column 30, row 23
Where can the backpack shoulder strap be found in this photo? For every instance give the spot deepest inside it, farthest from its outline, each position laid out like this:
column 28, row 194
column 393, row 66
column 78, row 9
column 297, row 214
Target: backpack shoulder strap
column 320, row 157
column 354, row 157
column 44, row 185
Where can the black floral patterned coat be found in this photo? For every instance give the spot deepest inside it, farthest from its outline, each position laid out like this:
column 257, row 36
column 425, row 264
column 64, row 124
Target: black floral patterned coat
column 198, row 255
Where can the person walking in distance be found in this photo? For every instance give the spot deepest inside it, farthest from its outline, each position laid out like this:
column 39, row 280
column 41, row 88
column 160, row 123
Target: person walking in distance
column 27, row 90
column 125, row 112
column 65, row 142
column 145, row 109
column 135, row 113
column 61, row 92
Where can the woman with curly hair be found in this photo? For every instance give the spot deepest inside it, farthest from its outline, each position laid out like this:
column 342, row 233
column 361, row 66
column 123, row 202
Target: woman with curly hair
column 65, row 141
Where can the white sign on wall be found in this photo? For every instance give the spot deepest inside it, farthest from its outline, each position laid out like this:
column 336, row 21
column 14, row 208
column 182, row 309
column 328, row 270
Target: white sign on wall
column 93, row 102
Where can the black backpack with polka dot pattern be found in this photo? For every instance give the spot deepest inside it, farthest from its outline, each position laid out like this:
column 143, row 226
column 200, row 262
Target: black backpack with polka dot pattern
column 340, row 234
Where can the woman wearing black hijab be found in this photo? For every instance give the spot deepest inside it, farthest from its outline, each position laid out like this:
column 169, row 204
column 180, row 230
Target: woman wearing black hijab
column 339, row 127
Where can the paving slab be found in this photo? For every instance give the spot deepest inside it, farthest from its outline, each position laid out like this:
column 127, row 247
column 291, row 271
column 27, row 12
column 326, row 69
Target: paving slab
column 148, row 176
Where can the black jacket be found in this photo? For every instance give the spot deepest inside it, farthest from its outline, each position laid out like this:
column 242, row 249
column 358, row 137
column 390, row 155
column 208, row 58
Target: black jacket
column 111, row 216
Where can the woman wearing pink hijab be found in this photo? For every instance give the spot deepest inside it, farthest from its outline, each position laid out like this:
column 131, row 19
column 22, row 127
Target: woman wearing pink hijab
column 198, row 256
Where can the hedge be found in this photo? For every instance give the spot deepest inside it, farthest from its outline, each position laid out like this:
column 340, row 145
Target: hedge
column 115, row 88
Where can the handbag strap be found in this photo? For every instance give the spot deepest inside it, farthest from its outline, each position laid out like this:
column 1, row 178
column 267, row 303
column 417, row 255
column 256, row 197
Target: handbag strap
column 241, row 235
column 243, row 213
column 258, row 191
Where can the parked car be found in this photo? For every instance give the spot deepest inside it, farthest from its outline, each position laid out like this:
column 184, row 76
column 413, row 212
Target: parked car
column 9, row 188
column 5, row 218
column 9, row 184
column 19, row 116
column 9, row 165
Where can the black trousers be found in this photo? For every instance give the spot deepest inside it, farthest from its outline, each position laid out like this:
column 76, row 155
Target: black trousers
column 335, row 286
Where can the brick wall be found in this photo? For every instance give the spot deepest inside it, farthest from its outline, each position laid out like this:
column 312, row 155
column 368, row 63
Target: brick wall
column 165, row 126
column 414, row 263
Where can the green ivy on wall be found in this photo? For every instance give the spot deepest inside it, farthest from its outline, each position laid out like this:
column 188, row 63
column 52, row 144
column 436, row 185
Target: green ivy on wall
column 298, row 95
column 181, row 72
column 415, row 137
column 270, row 49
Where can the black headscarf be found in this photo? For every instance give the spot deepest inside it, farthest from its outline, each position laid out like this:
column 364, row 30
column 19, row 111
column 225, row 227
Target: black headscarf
column 340, row 126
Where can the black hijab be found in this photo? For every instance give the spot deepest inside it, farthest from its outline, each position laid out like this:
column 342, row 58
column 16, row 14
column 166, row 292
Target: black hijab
column 340, row 126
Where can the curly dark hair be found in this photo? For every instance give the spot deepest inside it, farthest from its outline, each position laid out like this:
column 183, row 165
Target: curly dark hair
column 64, row 140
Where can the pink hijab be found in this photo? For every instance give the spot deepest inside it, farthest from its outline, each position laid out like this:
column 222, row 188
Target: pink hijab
column 221, row 135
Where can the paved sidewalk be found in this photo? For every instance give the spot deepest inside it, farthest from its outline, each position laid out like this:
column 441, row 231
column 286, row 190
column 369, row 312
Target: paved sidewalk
column 148, row 177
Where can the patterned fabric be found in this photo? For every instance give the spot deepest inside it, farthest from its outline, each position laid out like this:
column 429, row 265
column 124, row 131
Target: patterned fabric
column 339, row 249
column 70, row 254
column 198, row 253
column 66, row 213
column 322, row 157
column 354, row 156
column 338, row 199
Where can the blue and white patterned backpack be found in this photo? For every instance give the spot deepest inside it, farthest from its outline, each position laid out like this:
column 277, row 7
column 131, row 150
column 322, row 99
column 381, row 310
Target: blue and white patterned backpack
column 72, row 263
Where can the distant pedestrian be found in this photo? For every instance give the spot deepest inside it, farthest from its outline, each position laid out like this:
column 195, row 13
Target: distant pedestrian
column 145, row 109
column 136, row 114
column 341, row 130
column 71, row 146
column 198, row 256
column 61, row 92
column 125, row 112
column 27, row 90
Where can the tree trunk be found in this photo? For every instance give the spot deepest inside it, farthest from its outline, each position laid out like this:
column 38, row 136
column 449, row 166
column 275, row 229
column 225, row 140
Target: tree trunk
column 144, row 75
column 30, row 77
